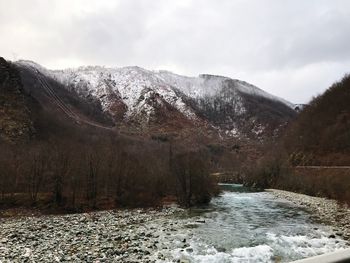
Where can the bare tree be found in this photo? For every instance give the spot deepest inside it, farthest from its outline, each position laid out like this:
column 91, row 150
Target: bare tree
column 93, row 167
column 37, row 170
column 61, row 167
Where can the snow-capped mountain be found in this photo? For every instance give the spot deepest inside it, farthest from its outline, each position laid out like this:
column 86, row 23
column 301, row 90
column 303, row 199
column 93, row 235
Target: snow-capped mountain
column 145, row 98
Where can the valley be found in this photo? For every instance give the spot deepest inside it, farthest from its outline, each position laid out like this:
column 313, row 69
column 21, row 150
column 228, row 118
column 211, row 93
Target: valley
column 189, row 131
column 132, row 160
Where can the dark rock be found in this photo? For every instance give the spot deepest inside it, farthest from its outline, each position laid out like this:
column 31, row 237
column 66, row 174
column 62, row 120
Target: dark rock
column 221, row 249
column 189, row 250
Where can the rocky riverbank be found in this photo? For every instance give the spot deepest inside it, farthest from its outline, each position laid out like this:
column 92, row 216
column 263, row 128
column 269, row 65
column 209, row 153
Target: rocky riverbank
column 175, row 235
column 323, row 210
column 108, row 236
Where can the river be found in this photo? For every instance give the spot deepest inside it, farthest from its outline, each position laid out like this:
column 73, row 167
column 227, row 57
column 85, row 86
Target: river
column 246, row 226
column 240, row 225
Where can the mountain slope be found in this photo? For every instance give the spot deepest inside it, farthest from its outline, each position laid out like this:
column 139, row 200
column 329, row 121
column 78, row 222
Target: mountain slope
column 15, row 114
column 321, row 133
column 153, row 101
column 62, row 104
column 313, row 155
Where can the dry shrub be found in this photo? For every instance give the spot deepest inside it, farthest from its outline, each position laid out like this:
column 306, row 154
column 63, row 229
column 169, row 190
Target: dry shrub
column 330, row 183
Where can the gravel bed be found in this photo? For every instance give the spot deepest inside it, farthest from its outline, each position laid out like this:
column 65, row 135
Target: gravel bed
column 139, row 235
column 323, row 210
column 107, row 236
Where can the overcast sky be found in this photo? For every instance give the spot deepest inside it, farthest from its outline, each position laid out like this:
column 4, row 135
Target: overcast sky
column 292, row 48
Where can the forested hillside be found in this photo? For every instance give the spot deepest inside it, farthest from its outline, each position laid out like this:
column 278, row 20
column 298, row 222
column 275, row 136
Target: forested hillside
column 59, row 153
column 313, row 156
column 321, row 133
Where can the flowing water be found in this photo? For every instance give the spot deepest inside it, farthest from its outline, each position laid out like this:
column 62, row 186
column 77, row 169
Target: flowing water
column 246, row 226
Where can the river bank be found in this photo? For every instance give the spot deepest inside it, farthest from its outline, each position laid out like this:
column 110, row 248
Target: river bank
column 324, row 210
column 105, row 236
column 238, row 226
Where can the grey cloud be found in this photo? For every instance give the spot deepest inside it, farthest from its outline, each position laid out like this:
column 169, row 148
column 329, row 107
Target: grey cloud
column 292, row 48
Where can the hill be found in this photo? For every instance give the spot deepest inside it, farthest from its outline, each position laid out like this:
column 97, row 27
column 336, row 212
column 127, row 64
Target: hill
column 15, row 113
column 104, row 137
column 321, row 133
column 152, row 102
column 313, row 156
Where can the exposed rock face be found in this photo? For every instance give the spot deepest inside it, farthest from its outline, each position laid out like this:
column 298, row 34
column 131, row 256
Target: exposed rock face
column 15, row 119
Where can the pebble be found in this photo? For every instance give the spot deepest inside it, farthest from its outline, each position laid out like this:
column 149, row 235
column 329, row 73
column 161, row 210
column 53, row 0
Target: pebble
column 189, row 250
column 106, row 236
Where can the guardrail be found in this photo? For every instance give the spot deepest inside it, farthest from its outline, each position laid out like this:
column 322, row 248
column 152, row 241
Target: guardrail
column 341, row 256
column 322, row 167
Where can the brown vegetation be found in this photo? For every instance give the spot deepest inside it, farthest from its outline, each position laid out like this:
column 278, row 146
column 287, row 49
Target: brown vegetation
column 319, row 137
column 64, row 154
column 274, row 171
column 102, row 173
column 321, row 133
column 15, row 123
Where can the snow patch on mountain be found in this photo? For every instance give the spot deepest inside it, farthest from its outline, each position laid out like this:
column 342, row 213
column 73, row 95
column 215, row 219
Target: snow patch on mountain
column 139, row 93
column 134, row 85
column 194, row 87
column 209, row 85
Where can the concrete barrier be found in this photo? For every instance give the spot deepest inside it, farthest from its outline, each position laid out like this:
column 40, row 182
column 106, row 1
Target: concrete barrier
column 341, row 256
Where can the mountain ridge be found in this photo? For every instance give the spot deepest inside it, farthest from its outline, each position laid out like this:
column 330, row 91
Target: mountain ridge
column 151, row 100
column 160, row 73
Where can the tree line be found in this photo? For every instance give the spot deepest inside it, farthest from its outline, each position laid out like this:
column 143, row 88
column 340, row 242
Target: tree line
column 103, row 173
